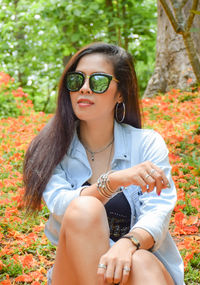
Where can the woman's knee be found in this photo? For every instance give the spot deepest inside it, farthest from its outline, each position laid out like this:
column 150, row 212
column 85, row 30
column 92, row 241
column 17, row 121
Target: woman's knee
column 151, row 266
column 83, row 213
column 143, row 259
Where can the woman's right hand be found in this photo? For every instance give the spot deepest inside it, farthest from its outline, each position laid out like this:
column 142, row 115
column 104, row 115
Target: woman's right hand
column 116, row 260
column 146, row 175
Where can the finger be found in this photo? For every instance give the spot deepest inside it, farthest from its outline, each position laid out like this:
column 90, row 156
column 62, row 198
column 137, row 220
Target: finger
column 118, row 273
column 161, row 172
column 109, row 275
column 101, row 272
column 159, row 182
column 126, row 272
column 141, row 182
column 150, row 181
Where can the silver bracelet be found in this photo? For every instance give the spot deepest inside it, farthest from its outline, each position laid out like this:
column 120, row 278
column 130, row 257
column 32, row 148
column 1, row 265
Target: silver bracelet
column 103, row 186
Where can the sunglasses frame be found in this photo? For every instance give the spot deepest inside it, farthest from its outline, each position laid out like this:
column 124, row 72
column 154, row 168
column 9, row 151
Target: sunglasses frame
column 84, row 76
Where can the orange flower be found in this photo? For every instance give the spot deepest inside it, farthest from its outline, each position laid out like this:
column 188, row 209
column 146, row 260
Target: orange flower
column 195, row 203
column 1, row 264
column 24, row 278
column 6, row 282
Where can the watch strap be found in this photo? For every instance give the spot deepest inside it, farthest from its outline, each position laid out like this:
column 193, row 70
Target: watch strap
column 134, row 240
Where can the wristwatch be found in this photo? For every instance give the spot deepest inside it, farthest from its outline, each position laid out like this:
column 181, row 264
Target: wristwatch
column 133, row 240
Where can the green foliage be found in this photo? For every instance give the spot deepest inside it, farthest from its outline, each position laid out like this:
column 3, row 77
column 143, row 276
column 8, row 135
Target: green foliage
column 192, row 275
column 12, row 99
column 8, row 106
column 12, row 268
column 38, row 38
column 8, row 103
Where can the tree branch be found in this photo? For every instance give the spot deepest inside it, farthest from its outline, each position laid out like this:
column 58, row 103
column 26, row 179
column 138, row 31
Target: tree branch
column 125, row 28
column 192, row 54
column 176, row 27
column 118, row 26
column 191, row 15
column 179, row 14
column 112, row 32
column 183, row 3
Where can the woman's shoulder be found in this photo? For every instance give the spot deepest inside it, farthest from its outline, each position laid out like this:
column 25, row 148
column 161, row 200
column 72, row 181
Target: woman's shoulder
column 143, row 138
column 128, row 129
column 147, row 143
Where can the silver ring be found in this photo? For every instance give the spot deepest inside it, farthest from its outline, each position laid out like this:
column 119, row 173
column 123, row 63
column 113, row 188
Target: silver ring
column 101, row 265
column 147, row 176
column 152, row 171
column 126, row 268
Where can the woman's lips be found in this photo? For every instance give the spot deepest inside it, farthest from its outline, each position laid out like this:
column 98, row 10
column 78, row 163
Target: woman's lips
column 84, row 102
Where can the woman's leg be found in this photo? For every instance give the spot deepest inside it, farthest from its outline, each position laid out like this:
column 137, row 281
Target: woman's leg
column 84, row 237
column 146, row 268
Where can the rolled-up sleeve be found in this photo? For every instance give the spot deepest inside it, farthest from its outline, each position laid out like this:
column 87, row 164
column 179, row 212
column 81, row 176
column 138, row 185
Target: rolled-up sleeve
column 155, row 211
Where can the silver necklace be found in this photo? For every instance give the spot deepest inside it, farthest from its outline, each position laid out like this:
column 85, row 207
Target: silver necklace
column 98, row 151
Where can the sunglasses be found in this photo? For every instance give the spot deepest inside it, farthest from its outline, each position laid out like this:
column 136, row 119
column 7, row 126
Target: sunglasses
column 98, row 82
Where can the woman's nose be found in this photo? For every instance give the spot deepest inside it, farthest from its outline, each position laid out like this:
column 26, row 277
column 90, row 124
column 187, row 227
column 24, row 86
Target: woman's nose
column 86, row 87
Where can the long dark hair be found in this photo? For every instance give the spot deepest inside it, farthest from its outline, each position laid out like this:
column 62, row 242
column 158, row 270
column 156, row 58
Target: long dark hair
column 51, row 144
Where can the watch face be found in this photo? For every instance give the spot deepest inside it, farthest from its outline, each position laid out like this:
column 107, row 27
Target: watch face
column 135, row 241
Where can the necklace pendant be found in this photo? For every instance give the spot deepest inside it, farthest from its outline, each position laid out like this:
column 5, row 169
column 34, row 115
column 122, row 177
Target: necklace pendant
column 92, row 156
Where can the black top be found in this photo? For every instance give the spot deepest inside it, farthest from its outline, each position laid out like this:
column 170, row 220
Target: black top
column 119, row 215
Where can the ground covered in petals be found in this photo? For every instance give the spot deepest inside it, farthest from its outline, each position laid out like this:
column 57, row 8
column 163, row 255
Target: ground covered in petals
column 26, row 254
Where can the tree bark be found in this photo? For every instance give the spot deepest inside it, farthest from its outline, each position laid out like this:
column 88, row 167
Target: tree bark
column 177, row 50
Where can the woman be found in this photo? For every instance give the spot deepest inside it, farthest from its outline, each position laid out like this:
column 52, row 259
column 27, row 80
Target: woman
column 105, row 181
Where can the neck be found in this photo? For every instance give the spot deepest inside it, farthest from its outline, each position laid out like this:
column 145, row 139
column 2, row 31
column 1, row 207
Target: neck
column 96, row 135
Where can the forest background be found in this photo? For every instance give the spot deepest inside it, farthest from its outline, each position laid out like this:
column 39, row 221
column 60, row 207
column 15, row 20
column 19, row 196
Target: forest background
column 37, row 38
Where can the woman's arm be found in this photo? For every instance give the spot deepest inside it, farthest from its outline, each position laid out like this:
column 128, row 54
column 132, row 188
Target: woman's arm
column 146, row 175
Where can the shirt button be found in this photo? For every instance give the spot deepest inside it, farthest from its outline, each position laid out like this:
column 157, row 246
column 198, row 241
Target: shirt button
column 125, row 155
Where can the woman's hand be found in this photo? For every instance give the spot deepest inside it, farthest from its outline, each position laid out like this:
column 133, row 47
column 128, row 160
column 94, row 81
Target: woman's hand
column 115, row 264
column 146, row 175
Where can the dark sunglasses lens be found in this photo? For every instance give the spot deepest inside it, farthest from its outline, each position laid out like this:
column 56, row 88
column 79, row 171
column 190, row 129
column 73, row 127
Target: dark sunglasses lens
column 99, row 83
column 74, row 81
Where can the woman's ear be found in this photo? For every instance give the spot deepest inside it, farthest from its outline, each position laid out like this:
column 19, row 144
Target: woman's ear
column 119, row 98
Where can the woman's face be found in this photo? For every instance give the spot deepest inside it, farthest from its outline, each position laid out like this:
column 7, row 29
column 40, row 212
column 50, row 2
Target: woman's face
column 90, row 106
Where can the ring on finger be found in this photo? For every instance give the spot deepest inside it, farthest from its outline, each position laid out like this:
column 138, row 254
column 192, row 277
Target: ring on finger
column 147, row 176
column 152, row 171
column 147, row 187
column 126, row 268
column 101, row 265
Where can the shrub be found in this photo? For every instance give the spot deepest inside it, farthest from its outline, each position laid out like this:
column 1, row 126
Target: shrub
column 13, row 101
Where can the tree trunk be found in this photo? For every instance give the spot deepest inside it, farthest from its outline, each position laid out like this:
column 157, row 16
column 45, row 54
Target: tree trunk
column 173, row 67
column 111, row 28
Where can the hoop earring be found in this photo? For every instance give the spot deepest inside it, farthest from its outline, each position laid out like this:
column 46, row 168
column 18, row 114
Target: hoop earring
column 123, row 114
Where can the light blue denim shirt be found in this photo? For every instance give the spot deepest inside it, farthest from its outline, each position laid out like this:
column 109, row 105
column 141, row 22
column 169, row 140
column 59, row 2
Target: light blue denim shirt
column 148, row 211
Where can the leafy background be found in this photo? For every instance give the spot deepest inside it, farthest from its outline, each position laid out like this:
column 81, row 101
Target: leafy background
column 38, row 38
column 26, row 254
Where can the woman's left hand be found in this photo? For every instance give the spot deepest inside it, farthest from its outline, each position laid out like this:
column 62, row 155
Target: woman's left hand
column 115, row 265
